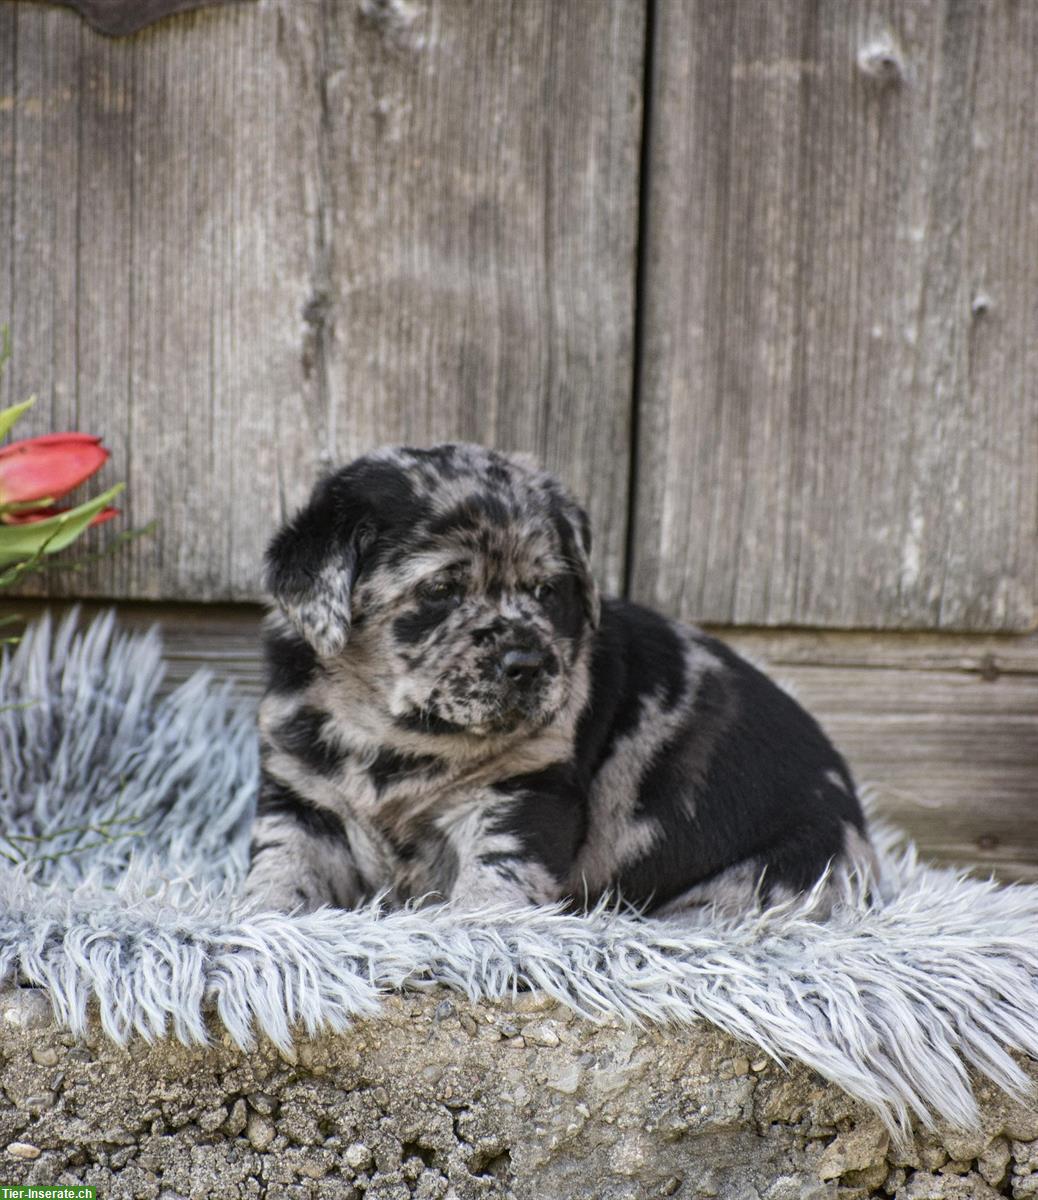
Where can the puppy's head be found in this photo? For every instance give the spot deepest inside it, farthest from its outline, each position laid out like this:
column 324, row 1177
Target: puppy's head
column 456, row 579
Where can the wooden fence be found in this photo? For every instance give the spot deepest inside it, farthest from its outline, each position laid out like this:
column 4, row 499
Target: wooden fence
column 758, row 279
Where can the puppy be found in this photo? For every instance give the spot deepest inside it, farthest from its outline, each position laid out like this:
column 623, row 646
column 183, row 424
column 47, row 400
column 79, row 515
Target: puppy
column 453, row 712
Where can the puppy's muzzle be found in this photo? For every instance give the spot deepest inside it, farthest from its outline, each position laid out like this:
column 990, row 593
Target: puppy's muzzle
column 521, row 669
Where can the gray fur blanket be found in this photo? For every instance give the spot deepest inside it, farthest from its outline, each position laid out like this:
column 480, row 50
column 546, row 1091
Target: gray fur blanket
column 126, row 817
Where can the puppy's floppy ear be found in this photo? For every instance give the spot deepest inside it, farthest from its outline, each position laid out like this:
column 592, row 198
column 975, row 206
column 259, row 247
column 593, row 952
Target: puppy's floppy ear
column 312, row 565
column 576, row 544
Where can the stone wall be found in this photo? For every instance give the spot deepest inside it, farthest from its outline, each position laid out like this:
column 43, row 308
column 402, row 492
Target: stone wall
column 444, row 1100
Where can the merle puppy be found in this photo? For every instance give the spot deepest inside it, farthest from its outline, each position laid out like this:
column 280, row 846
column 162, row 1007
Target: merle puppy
column 453, row 712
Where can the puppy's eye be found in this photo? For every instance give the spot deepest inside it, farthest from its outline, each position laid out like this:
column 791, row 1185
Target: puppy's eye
column 441, row 591
column 543, row 591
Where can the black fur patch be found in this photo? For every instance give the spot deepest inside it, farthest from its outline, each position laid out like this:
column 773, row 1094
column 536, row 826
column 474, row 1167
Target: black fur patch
column 416, row 625
column 277, row 799
column 636, row 654
column 564, row 608
column 754, row 764
column 392, row 767
column 291, row 663
column 473, row 516
column 258, row 848
column 301, row 736
column 322, row 532
column 549, row 817
column 425, row 722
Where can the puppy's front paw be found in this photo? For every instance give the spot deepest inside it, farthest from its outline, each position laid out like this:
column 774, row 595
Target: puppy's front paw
column 283, row 894
column 514, row 883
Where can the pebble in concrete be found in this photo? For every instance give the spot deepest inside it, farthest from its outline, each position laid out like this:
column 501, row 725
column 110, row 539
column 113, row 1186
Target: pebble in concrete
column 260, row 1131
column 23, row 1150
column 358, row 1156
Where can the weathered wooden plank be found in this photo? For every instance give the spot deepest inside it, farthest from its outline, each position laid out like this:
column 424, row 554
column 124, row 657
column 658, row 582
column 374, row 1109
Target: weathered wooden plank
column 985, row 655
column 120, row 17
column 8, row 118
column 256, row 241
column 949, row 746
column 482, row 192
column 39, row 94
column 839, row 395
column 224, row 259
column 161, row 263
column 103, row 261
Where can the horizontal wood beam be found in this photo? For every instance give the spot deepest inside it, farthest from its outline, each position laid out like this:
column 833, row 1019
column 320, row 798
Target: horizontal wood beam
column 942, row 729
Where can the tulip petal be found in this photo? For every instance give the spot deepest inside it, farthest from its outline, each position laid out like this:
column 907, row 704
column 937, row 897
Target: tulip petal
column 49, row 439
column 106, row 514
column 49, row 466
column 24, row 514
column 29, row 516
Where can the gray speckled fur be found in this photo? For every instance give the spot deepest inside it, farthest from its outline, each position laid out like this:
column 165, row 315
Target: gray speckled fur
column 368, row 681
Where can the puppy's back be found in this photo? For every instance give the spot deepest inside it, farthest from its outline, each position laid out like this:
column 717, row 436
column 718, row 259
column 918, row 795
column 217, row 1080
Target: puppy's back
column 707, row 781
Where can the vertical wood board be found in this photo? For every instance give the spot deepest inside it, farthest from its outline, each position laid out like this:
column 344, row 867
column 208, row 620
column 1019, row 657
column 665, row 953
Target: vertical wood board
column 482, row 190
column 159, row 263
column 839, row 397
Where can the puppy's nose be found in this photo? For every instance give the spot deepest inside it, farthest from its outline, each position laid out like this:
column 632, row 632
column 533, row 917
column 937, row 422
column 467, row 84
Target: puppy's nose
column 522, row 666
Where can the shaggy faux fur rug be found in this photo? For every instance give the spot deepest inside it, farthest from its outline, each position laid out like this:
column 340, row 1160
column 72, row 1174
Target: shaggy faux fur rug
column 126, row 828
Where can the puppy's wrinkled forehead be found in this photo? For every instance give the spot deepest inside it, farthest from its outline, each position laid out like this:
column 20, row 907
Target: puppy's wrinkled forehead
column 502, row 516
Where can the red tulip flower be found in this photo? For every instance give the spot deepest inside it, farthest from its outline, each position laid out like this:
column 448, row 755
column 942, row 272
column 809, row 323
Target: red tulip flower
column 35, row 473
column 48, row 467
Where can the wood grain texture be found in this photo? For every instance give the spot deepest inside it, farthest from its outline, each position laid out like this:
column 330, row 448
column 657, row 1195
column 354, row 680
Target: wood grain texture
column 482, row 190
column 158, row 267
column 116, row 18
column 839, row 390
column 256, row 241
column 942, row 728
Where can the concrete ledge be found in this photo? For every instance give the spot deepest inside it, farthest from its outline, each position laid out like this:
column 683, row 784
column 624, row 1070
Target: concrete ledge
column 443, row 1099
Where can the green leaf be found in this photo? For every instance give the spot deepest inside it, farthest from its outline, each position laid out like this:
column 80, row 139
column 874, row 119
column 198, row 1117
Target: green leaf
column 38, row 565
column 10, row 575
column 82, row 562
column 18, row 542
column 8, row 416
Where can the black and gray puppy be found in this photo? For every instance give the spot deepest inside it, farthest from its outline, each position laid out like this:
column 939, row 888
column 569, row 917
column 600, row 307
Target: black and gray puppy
column 453, row 712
